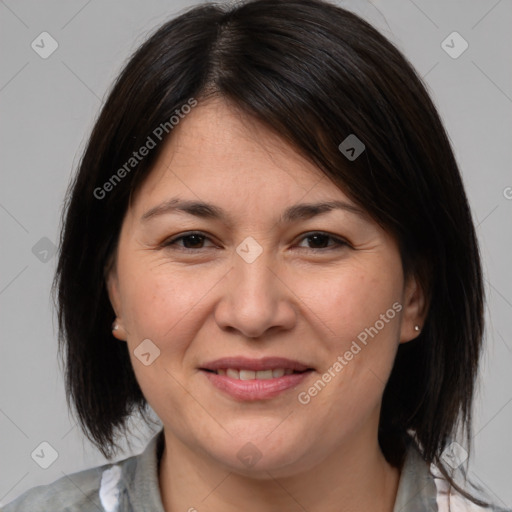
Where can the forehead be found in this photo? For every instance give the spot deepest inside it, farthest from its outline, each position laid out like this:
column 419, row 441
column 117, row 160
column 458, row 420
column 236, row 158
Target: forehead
column 218, row 154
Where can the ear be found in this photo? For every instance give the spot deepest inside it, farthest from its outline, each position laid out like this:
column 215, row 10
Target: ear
column 414, row 310
column 112, row 285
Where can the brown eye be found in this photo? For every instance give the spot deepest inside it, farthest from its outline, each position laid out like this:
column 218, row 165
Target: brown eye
column 189, row 241
column 193, row 241
column 321, row 241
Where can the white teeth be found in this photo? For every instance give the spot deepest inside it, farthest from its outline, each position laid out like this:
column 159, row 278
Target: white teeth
column 251, row 374
column 234, row 374
column 247, row 375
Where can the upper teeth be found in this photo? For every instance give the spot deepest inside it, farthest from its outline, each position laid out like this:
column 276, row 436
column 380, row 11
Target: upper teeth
column 250, row 374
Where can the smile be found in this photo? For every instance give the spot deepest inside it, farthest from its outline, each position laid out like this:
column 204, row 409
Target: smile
column 251, row 374
column 245, row 385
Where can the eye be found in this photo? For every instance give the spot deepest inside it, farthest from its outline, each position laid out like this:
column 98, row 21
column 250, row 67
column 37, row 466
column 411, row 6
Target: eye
column 195, row 240
column 191, row 241
column 320, row 241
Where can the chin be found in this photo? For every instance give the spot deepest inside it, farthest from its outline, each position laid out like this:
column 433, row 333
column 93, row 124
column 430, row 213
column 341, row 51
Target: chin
column 263, row 458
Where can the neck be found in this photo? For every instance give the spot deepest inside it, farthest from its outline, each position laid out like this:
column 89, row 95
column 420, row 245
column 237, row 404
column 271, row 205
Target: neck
column 354, row 478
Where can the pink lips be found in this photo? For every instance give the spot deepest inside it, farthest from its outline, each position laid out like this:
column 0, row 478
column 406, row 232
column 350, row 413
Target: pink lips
column 255, row 389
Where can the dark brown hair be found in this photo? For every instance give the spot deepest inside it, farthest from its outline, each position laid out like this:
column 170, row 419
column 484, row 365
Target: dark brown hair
column 314, row 74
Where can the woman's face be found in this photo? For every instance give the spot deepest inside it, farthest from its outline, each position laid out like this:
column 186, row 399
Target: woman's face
column 322, row 287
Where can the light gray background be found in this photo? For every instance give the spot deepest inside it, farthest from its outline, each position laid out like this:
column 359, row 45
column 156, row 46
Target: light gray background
column 48, row 108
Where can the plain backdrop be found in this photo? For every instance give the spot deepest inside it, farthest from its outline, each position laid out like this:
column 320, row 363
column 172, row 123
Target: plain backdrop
column 48, row 106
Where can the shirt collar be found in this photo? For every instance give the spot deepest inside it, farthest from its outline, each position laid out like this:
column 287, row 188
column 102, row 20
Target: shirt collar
column 142, row 483
column 416, row 488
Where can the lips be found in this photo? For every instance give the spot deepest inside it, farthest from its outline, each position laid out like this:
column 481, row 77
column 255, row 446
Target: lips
column 255, row 379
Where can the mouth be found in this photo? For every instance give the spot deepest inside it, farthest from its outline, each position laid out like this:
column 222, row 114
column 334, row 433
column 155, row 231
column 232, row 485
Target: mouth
column 255, row 379
column 242, row 374
column 256, row 365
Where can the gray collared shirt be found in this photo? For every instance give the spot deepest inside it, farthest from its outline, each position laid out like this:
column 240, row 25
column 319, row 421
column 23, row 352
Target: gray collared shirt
column 131, row 485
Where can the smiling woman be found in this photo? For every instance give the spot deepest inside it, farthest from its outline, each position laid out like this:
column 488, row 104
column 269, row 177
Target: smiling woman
column 287, row 278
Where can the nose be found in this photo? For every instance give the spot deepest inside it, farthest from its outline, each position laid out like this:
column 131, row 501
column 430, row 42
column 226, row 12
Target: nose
column 256, row 299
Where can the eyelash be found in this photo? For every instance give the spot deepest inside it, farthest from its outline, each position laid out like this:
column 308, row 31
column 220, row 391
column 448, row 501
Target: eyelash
column 172, row 243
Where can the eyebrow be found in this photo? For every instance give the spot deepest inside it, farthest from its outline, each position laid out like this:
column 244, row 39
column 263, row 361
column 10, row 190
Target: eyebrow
column 204, row 210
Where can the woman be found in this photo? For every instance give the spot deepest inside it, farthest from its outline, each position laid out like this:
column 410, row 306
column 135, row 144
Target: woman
column 268, row 243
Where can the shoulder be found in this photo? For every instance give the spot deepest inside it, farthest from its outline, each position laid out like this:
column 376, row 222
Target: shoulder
column 77, row 491
column 93, row 490
column 126, row 485
column 422, row 487
column 450, row 500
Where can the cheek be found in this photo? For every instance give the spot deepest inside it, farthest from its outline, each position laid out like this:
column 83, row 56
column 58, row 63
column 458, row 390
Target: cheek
column 346, row 301
column 369, row 327
column 161, row 306
column 153, row 297
column 358, row 312
column 166, row 304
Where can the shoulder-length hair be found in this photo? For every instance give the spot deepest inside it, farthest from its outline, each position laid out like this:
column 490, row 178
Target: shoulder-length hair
column 313, row 73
